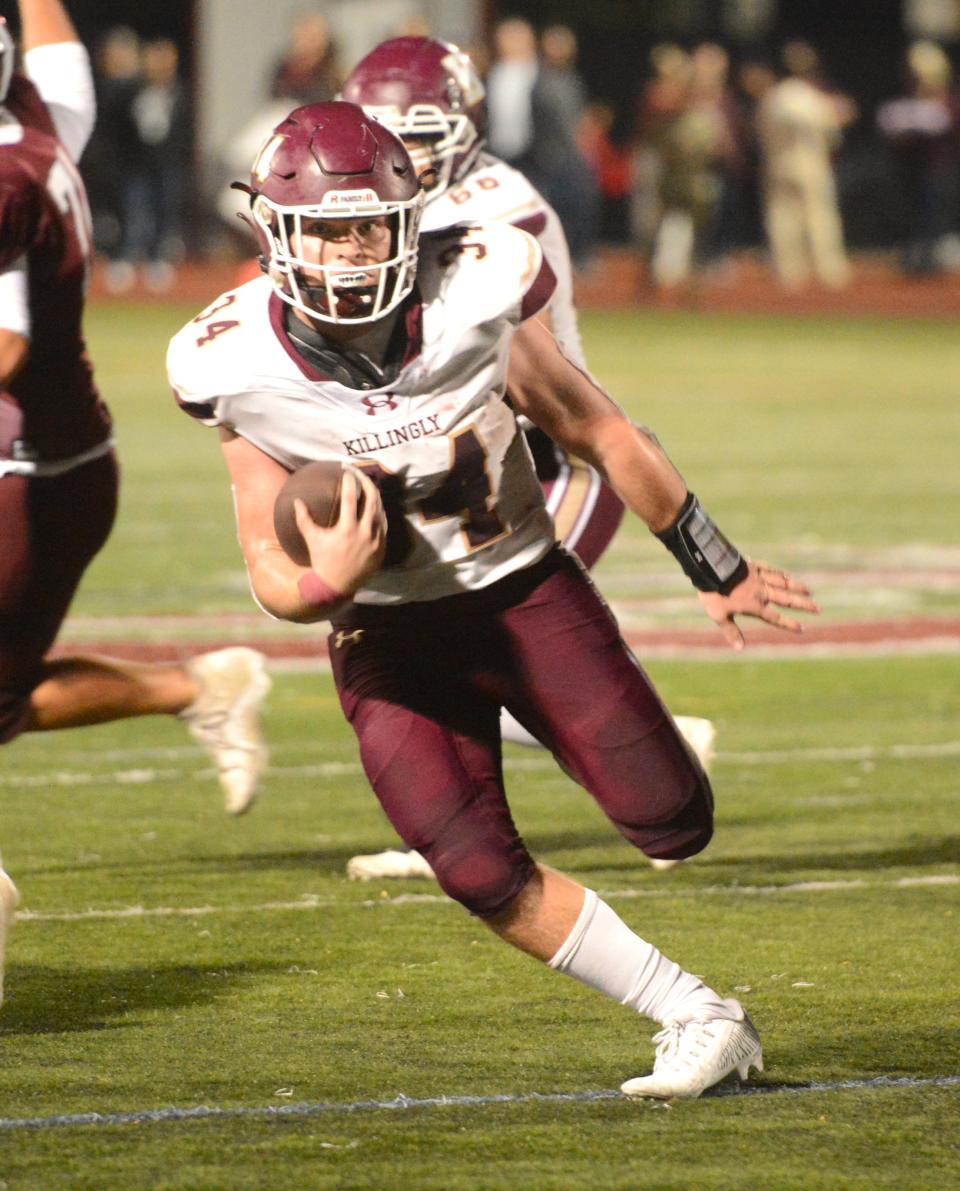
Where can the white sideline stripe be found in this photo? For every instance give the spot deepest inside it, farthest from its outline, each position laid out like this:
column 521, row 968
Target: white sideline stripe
column 404, row 1103
column 141, row 775
column 866, row 752
column 315, row 902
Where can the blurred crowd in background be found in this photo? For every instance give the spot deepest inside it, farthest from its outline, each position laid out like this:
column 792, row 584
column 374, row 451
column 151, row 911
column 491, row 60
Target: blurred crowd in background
column 713, row 155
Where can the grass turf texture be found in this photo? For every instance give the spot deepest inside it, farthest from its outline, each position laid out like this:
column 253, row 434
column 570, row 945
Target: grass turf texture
column 814, row 443
column 365, row 996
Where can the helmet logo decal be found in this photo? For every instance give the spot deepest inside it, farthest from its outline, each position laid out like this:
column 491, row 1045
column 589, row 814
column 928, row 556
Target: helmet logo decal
column 341, row 198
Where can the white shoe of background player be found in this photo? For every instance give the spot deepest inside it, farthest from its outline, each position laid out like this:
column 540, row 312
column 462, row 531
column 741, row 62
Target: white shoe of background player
column 8, row 904
column 392, row 864
column 225, row 718
column 695, row 1055
column 700, row 735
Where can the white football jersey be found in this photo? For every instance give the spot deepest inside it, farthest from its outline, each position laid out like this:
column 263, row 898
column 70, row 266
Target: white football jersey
column 466, row 508
column 494, row 192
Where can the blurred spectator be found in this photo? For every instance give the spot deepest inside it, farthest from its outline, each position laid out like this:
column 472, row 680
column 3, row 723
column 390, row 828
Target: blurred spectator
column 114, row 138
column 680, row 122
column 509, row 87
column 713, row 98
column 922, row 129
column 800, row 126
column 754, row 79
column 308, row 71
column 661, row 99
column 557, row 166
column 154, row 181
column 612, row 169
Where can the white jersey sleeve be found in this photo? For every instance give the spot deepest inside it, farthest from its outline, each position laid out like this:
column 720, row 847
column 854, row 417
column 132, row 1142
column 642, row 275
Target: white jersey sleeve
column 15, row 298
column 495, row 192
column 61, row 73
column 463, row 502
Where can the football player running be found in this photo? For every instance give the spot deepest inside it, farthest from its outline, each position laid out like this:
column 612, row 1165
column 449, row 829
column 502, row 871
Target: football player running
column 429, row 93
column 58, row 472
column 449, row 595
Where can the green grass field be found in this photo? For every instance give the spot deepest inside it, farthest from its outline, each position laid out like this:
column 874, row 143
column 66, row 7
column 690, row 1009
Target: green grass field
column 168, row 959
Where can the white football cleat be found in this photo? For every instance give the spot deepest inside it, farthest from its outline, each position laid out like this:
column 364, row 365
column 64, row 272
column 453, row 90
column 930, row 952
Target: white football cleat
column 225, row 718
column 662, row 866
column 693, row 1056
column 389, row 865
column 9, row 899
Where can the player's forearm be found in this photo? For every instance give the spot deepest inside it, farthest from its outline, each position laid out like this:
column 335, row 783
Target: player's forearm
column 635, row 467
column 285, row 590
column 570, row 407
column 45, row 22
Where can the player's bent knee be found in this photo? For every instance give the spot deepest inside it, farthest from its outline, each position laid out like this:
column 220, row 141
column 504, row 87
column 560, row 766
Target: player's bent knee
column 683, row 833
column 484, row 880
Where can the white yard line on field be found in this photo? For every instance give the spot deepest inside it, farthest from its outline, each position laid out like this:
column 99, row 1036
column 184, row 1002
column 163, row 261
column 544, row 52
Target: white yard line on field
column 206, row 1112
column 138, row 775
column 316, row 902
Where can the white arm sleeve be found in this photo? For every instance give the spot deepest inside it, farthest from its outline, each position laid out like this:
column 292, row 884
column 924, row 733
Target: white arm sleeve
column 62, row 74
column 15, row 298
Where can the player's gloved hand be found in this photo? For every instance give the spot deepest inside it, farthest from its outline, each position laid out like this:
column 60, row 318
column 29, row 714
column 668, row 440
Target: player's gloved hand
column 349, row 552
column 760, row 594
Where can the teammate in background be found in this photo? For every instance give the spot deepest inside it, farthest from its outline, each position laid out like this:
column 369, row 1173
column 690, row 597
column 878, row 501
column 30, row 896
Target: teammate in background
column 58, row 472
column 429, row 93
column 387, row 352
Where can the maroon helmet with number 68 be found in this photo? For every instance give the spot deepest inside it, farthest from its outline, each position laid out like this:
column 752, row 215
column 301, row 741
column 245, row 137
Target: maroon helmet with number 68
column 429, row 93
column 330, row 161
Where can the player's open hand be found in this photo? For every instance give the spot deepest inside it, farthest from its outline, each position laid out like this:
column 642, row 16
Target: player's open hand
column 351, row 550
column 762, row 594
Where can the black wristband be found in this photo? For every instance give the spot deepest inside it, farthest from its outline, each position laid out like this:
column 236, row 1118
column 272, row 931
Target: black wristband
column 709, row 561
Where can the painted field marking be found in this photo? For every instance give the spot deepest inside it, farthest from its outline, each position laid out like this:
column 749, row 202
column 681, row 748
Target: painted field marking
column 141, row 775
column 405, row 1103
column 313, row 901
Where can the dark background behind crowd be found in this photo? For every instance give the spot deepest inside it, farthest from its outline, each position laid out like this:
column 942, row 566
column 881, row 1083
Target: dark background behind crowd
column 665, row 127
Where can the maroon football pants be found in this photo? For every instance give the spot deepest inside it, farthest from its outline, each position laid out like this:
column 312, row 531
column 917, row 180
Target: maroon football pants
column 50, row 530
column 422, row 685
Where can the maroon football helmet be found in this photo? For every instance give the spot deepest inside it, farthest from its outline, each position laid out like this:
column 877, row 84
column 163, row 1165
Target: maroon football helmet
column 429, row 93
column 7, row 56
column 330, row 161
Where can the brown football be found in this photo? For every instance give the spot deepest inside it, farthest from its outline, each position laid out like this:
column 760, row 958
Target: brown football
column 318, row 486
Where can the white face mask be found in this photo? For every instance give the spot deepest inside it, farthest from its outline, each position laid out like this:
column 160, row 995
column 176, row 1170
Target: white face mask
column 357, row 276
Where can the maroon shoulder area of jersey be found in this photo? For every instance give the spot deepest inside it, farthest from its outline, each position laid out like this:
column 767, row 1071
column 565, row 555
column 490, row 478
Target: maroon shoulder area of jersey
column 540, row 293
column 23, row 100
column 44, row 218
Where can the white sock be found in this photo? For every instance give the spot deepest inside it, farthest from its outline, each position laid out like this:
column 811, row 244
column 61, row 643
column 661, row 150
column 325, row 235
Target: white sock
column 603, row 952
column 515, row 732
